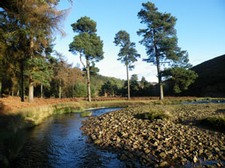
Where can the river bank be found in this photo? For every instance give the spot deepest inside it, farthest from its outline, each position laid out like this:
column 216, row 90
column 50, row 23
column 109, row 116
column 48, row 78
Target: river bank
column 160, row 135
column 17, row 114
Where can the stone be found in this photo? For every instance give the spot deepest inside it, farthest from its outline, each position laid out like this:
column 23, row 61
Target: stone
column 123, row 157
column 163, row 164
column 157, row 140
column 195, row 159
column 162, row 155
column 147, row 151
column 97, row 142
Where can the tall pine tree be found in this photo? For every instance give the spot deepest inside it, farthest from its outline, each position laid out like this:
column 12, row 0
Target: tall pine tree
column 127, row 55
column 159, row 38
column 88, row 45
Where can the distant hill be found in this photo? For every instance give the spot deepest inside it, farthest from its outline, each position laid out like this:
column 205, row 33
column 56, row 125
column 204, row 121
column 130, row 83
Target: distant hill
column 211, row 78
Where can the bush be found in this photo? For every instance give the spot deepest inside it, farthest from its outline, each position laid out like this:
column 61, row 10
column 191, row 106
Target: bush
column 80, row 90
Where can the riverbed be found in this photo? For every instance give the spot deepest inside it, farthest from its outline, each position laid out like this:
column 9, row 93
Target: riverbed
column 59, row 142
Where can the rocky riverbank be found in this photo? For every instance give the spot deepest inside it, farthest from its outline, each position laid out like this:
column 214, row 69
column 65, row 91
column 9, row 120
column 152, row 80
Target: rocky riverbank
column 159, row 135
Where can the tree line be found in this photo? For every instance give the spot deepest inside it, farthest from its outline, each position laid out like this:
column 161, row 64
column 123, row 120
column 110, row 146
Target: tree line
column 28, row 61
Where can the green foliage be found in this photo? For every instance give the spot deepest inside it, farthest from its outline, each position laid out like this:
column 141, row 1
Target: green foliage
column 181, row 78
column 39, row 70
column 159, row 38
column 134, row 85
column 80, row 90
column 109, row 89
column 128, row 54
column 88, row 44
column 27, row 28
column 84, row 25
column 98, row 81
column 153, row 115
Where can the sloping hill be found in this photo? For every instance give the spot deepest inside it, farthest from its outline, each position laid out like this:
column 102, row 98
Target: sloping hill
column 211, row 78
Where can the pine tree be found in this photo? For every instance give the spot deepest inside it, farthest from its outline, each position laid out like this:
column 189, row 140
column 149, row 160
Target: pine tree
column 88, row 45
column 127, row 55
column 159, row 38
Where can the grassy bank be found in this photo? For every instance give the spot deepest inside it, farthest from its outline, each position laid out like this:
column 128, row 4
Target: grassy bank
column 26, row 117
column 30, row 116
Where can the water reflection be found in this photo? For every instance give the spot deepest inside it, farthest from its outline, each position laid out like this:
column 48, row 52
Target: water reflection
column 59, row 143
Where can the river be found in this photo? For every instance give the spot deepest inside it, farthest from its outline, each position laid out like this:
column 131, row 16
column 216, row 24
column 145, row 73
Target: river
column 58, row 142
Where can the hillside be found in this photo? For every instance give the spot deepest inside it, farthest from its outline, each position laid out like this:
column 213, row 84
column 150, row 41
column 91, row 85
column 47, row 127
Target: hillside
column 211, row 78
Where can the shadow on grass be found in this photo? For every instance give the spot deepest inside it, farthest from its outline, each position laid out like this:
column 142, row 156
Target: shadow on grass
column 220, row 111
column 215, row 123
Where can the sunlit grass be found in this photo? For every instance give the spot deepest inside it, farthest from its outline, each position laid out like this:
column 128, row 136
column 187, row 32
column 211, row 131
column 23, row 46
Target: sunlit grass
column 86, row 114
column 154, row 114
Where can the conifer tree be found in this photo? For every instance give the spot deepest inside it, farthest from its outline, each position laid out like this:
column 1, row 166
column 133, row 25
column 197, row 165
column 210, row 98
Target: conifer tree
column 88, row 45
column 127, row 55
column 159, row 38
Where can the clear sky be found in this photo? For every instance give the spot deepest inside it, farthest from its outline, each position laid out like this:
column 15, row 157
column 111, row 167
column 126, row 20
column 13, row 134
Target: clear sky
column 200, row 30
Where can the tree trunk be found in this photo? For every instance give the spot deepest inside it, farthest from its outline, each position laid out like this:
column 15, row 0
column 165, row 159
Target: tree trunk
column 31, row 82
column 161, row 91
column 159, row 79
column 31, row 91
column 60, row 88
column 18, row 91
column 128, row 83
column 0, row 88
column 41, row 91
column 88, row 80
column 22, row 81
column 158, row 69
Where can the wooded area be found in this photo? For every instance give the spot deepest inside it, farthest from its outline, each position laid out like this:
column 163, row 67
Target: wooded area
column 30, row 67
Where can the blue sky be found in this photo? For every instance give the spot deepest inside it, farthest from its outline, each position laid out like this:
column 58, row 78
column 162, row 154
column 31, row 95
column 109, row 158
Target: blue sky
column 200, row 30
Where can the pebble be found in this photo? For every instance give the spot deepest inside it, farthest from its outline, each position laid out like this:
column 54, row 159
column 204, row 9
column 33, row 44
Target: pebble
column 158, row 142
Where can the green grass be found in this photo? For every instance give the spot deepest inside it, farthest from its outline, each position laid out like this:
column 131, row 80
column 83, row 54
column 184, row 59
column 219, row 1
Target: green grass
column 154, row 114
column 86, row 113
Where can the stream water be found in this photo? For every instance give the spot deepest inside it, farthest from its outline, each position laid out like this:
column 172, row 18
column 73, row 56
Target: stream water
column 58, row 142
